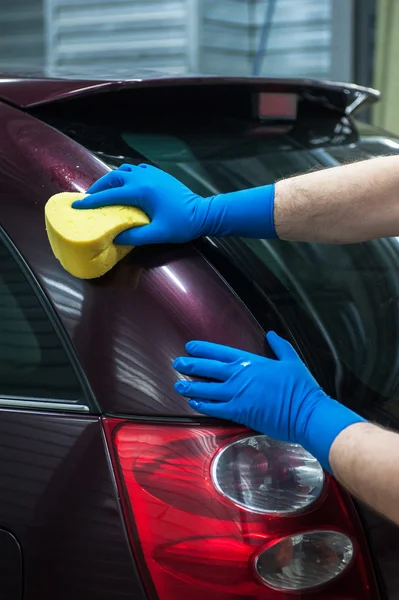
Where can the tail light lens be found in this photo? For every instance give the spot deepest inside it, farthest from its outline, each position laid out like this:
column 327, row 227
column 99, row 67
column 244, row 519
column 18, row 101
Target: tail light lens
column 221, row 512
column 301, row 562
column 267, row 476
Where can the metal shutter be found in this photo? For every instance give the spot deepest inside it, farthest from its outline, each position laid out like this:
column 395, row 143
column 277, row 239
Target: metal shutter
column 299, row 43
column 125, row 36
column 122, row 36
column 21, row 34
column 308, row 38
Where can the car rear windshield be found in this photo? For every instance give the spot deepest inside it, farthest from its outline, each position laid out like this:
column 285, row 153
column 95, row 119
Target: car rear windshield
column 339, row 304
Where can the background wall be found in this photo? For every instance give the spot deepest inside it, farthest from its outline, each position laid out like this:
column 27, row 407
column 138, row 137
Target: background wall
column 21, row 34
column 386, row 70
column 297, row 38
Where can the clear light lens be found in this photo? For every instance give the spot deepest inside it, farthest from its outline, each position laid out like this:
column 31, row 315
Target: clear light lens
column 300, row 562
column 266, row 476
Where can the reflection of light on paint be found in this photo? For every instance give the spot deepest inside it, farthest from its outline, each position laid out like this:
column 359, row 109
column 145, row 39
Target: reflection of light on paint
column 127, row 365
column 175, row 279
column 67, row 300
column 79, row 188
column 63, row 288
column 68, row 310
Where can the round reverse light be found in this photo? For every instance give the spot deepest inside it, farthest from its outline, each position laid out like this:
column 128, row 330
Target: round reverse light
column 266, row 476
column 300, row 562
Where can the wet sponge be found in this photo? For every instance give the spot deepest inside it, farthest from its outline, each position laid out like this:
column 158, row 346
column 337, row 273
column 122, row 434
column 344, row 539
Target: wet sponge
column 82, row 240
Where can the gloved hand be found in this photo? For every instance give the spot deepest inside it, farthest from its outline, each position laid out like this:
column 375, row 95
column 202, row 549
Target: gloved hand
column 176, row 213
column 279, row 398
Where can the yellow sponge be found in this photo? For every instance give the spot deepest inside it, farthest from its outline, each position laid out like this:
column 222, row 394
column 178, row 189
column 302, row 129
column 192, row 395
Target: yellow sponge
column 82, row 240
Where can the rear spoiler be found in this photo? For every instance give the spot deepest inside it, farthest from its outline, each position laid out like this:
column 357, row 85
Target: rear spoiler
column 342, row 97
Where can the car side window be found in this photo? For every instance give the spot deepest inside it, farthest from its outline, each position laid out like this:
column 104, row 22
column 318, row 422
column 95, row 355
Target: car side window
column 33, row 361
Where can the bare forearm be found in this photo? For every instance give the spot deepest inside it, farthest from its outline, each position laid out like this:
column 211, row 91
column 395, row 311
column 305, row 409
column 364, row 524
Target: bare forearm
column 346, row 204
column 365, row 459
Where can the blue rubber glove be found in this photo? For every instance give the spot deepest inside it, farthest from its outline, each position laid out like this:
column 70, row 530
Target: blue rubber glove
column 176, row 213
column 279, row 398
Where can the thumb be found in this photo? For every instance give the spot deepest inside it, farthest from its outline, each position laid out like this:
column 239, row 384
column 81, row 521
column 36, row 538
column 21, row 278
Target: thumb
column 139, row 236
column 211, row 409
column 281, row 348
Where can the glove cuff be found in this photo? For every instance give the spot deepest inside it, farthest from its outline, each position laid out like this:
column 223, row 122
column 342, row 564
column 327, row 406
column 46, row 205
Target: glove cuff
column 327, row 422
column 247, row 213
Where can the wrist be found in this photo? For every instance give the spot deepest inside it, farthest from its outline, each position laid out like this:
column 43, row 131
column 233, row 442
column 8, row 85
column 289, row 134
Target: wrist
column 208, row 217
column 327, row 419
column 345, row 448
column 247, row 213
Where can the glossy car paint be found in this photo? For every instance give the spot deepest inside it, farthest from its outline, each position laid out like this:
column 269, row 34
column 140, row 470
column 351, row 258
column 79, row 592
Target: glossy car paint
column 27, row 91
column 59, row 500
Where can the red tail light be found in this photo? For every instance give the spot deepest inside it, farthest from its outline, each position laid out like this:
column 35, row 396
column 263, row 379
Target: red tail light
column 191, row 541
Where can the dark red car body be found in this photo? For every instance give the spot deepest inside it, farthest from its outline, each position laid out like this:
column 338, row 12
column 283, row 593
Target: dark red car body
column 63, row 533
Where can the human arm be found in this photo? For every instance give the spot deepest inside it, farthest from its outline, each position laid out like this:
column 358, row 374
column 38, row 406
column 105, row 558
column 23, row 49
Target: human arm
column 281, row 399
column 365, row 459
column 344, row 204
column 176, row 213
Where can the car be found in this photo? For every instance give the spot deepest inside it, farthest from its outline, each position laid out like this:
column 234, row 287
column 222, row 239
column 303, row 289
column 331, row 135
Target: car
column 112, row 487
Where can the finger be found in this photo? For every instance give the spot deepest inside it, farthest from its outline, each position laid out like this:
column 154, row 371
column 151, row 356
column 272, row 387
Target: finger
column 202, row 367
column 281, row 348
column 214, row 351
column 204, row 390
column 140, row 236
column 127, row 168
column 110, row 180
column 211, row 409
column 109, row 197
column 130, row 168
